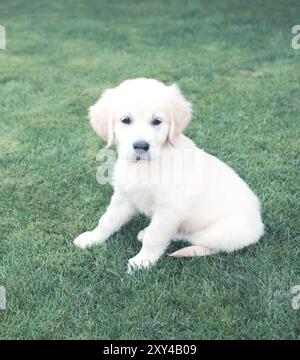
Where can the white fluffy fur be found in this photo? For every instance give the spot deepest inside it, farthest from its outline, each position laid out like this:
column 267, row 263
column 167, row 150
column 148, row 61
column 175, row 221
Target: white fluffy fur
column 202, row 201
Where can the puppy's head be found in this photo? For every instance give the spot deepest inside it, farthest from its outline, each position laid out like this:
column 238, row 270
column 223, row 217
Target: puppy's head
column 140, row 116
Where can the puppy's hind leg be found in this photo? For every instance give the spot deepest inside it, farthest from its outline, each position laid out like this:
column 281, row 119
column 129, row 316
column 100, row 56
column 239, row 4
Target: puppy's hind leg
column 229, row 234
column 194, row 250
column 141, row 234
column 176, row 237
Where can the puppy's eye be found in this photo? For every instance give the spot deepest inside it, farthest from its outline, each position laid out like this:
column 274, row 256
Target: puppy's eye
column 126, row 120
column 156, row 122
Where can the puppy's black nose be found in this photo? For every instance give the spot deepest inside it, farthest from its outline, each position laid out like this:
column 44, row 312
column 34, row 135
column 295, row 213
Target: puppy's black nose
column 141, row 145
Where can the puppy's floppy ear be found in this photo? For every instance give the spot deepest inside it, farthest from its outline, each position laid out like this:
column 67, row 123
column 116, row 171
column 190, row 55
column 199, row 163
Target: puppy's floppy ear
column 101, row 118
column 181, row 112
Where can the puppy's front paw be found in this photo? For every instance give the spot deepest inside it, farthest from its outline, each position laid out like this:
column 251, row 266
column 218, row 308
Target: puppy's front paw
column 139, row 262
column 85, row 240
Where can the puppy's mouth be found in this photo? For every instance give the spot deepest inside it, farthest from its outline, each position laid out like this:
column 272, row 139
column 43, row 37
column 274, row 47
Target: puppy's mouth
column 145, row 156
column 141, row 156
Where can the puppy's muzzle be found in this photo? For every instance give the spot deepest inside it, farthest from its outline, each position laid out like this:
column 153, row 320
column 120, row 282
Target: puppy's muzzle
column 141, row 148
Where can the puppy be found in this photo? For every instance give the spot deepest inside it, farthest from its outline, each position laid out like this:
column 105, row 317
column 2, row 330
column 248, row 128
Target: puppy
column 187, row 193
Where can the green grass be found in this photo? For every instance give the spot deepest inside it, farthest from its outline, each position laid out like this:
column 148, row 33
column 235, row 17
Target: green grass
column 234, row 61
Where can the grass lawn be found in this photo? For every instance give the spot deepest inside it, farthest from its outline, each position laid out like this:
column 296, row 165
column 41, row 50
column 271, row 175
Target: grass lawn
column 234, row 62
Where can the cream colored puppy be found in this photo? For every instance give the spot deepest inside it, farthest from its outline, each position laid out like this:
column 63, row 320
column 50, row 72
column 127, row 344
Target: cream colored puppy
column 187, row 193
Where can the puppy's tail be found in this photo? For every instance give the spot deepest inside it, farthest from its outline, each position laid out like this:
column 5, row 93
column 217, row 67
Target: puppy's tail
column 194, row 250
